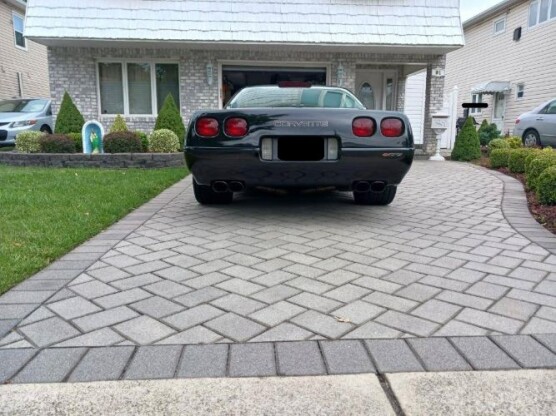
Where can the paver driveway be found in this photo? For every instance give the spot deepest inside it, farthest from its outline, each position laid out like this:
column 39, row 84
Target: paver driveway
column 442, row 260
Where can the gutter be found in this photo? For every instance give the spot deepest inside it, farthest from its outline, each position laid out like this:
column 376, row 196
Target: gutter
column 494, row 10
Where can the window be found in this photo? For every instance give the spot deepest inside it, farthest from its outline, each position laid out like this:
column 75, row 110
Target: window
column 18, row 31
column 136, row 87
column 499, row 26
column 389, row 93
column 520, row 92
column 367, row 96
column 541, row 10
column 550, row 108
column 476, row 98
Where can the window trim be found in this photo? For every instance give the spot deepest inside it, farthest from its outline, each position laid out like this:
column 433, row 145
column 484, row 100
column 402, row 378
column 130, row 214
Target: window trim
column 23, row 48
column 125, row 84
column 538, row 9
column 502, row 19
column 517, row 90
column 479, row 100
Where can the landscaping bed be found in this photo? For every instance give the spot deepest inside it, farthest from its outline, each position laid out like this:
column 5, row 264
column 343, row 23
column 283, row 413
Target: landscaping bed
column 48, row 212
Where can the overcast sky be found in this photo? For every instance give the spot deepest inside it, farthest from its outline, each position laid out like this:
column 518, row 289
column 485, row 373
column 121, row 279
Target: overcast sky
column 470, row 8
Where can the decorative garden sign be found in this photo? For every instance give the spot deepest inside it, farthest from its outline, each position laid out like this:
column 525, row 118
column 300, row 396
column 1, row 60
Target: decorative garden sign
column 92, row 133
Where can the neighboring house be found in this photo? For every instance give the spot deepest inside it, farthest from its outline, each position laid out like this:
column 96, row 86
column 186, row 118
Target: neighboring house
column 124, row 57
column 23, row 63
column 509, row 60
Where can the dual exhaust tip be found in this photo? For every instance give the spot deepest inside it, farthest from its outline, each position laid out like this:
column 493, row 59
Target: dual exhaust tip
column 231, row 186
column 365, row 186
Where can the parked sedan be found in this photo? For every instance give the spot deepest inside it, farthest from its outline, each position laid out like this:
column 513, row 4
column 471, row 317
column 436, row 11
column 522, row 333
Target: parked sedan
column 538, row 127
column 24, row 114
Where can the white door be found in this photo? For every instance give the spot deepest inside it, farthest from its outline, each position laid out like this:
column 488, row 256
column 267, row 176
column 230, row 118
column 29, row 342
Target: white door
column 499, row 110
column 369, row 89
column 414, row 104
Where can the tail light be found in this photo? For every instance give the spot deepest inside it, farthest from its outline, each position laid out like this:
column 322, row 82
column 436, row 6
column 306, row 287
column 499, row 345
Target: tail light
column 236, row 127
column 391, row 127
column 363, row 127
column 517, row 120
column 207, row 127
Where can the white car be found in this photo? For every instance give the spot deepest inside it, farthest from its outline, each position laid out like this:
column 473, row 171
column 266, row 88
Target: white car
column 538, row 127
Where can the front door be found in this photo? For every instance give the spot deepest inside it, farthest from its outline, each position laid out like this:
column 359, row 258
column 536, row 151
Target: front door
column 499, row 110
column 369, row 89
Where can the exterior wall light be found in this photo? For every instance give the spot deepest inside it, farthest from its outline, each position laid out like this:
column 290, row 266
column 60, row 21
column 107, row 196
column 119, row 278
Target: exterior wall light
column 210, row 71
column 340, row 74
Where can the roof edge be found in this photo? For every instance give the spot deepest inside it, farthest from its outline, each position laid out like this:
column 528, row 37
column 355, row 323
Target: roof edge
column 490, row 12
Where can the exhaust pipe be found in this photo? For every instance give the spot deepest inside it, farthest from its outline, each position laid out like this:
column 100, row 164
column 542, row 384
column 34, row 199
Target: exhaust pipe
column 378, row 186
column 220, row 186
column 236, row 186
column 362, row 186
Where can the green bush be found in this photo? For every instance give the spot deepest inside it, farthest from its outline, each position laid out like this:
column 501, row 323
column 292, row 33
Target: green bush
column 467, row 146
column 546, row 186
column 533, row 154
column 537, row 167
column 78, row 140
column 57, row 143
column 122, row 142
column 119, row 125
column 144, row 140
column 69, row 118
column 514, row 142
column 164, row 141
column 499, row 158
column 488, row 132
column 516, row 163
column 28, row 142
column 169, row 118
column 498, row 144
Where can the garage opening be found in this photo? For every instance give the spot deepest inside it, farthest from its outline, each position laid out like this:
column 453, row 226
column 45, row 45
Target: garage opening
column 236, row 77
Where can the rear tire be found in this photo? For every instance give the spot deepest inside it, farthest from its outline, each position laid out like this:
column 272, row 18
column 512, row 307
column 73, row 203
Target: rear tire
column 531, row 138
column 376, row 198
column 206, row 196
column 45, row 129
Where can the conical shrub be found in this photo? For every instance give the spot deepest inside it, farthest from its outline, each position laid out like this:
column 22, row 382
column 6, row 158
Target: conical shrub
column 467, row 146
column 169, row 118
column 119, row 125
column 69, row 119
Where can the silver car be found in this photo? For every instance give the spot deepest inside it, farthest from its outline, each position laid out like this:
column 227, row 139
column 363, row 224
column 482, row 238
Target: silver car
column 538, row 127
column 22, row 115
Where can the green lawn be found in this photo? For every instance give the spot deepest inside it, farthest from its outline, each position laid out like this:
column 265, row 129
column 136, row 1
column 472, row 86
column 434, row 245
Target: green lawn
column 6, row 148
column 47, row 212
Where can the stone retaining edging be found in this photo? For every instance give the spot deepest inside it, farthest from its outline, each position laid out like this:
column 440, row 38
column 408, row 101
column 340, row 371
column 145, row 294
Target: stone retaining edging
column 79, row 160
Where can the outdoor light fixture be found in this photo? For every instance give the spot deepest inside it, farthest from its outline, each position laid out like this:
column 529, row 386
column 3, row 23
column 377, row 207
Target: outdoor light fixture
column 209, row 73
column 340, row 73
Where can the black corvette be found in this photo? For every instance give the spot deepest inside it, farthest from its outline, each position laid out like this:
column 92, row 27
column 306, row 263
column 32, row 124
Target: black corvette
column 298, row 136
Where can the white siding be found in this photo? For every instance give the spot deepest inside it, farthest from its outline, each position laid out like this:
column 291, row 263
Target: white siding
column 489, row 57
column 394, row 22
column 415, row 88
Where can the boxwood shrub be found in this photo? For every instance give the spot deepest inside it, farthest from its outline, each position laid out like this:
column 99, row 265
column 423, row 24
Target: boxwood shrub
column 78, row 140
column 498, row 144
column 118, row 125
column 467, row 146
column 514, row 142
column 122, row 142
column 28, row 142
column 164, row 141
column 516, row 162
column 537, row 167
column 144, row 140
column 546, row 186
column 533, row 154
column 499, row 158
column 57, row 143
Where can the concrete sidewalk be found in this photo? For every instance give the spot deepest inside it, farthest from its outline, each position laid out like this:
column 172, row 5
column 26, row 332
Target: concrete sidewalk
column 524, row 392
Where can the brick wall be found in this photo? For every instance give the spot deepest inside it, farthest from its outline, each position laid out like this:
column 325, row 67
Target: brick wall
column 74, row 70
column 32, row 63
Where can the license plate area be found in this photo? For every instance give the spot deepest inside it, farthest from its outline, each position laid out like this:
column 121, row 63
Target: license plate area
column 301, row 149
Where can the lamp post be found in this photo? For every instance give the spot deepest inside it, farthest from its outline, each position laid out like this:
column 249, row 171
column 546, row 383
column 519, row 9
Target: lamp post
column 439, row 126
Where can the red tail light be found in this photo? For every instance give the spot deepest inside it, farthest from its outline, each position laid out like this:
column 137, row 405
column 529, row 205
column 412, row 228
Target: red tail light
column 207, row 127
column 391, row 127
column 363, row 127
column 236, row 127
column 517, row 121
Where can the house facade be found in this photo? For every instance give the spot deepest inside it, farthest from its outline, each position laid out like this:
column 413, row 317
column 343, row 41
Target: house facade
column 125, row 57
column 508, row 61
column 23, row 67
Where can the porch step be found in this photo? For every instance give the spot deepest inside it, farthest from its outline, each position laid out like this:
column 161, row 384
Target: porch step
column 421, row 155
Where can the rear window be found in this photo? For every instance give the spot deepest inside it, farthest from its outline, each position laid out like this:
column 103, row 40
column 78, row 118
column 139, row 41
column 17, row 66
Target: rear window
column 275, row 97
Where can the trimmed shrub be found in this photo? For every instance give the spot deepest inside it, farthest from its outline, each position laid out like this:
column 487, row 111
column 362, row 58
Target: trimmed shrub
column 57, row 143
column 546, row 186
column 537, row 167
column 78, row 140
column 164, row 141
column 28, row 142
column 516, row 163
column 488, row 132
column 499, row 158
column 498, row 144
column 514, row 142
column 122, row 142
column 533, row 154
column 69, row 118
column 144, row 140
column 467, row 146
column 169, row 118
column 119, row 125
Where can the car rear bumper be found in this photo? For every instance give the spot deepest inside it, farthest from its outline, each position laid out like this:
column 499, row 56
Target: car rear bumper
column 363, row 164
